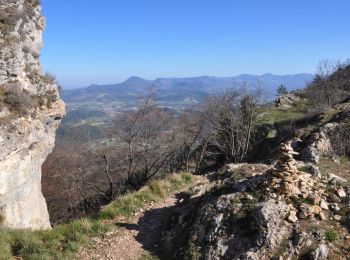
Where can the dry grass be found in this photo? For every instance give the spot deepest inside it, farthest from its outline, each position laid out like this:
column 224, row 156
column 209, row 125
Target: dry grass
column 64, row 240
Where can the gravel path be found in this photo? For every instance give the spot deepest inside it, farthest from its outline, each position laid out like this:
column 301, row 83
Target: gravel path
column 135, row 235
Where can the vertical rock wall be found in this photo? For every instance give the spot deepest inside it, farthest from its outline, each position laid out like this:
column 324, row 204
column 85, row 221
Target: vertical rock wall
column 30, row 113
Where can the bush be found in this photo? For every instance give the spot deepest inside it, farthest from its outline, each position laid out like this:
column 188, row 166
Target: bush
column 331, row 235
column 340, row 140
column 330, row 86
column 282, row 90
column 18, row 100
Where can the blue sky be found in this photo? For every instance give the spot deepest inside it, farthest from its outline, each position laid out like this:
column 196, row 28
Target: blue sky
column 109, row 40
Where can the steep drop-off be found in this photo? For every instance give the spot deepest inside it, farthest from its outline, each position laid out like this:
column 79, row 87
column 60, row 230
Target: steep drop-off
column 30, row 112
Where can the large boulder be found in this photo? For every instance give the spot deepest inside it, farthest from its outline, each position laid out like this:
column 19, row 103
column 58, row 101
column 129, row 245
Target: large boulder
column 287, row 100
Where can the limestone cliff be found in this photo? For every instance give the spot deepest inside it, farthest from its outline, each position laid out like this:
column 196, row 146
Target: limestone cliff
column 30, row 112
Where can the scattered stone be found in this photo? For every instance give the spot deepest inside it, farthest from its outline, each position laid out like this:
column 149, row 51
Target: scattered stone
column 322, row 216
column 249, row 197
column 334, row 198
column 305, row 210
column 314, row 171
column 335, row 207
column 324, row 205
column 315, row 209
column 314, row 198
column 337, row 217
column 340, row 192
column 335, row 160
column 336, row 178
column 292, row 216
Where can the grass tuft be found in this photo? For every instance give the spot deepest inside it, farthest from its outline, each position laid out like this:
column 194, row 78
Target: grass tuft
column 331, row 235
column 128, row 204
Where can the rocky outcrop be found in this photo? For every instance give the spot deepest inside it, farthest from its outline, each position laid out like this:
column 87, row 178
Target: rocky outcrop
column 318, row 144
column 30, row 112
column 329, row 139
column 281, row 213
column 287, row 100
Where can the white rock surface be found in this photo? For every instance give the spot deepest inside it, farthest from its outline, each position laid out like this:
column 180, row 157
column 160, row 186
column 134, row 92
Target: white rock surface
column 26, row 137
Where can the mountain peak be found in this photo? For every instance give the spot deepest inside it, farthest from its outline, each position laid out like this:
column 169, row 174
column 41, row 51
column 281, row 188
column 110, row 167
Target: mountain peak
column 135, row 78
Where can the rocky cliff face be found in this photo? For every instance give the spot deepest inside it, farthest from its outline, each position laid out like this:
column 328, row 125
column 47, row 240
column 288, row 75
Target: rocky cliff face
column 30, row 112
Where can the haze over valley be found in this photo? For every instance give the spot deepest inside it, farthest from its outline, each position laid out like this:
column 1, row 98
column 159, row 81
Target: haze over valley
column 97, row 103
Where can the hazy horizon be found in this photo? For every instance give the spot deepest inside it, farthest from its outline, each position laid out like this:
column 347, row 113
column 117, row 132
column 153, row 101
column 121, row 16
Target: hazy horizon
column 87, row 42
column 68, row 87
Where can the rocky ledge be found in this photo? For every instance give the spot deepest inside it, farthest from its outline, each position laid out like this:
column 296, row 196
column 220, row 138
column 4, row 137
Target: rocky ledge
column 30, row 113
column 289, row 210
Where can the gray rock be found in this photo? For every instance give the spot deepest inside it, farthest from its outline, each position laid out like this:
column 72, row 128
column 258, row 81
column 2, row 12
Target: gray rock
column 320, row 253
column 271, row 215
column 286, row 101
column 314, row 171
column 310, row 154
column 25, row 140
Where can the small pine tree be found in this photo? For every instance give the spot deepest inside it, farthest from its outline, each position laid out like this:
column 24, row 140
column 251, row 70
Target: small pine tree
column 282, row 90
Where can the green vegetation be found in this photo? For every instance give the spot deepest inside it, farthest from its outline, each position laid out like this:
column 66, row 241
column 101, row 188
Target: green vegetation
column 3, row 26
column 64, row 240
column 193, row 252
column 297, row 201
column 272, row 114
column 57, row 243
column 282, row 90
column 130, row 203
column 149, row 257
column 341, row 169
column 331, row 235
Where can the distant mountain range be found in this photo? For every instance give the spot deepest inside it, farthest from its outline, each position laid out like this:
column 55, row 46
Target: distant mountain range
column 174, row 92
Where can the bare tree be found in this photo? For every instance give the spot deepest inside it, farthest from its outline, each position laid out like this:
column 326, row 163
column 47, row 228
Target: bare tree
column 326, row 88
column 231, row 118
column 147, row 137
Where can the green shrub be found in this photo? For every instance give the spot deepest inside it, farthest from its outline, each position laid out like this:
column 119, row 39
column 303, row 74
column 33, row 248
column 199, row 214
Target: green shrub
column 193, row 252
column 157, row 188
column 331, row 235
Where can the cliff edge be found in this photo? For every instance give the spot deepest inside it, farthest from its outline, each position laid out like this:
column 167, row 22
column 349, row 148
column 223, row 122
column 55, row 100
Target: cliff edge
column 30, row 112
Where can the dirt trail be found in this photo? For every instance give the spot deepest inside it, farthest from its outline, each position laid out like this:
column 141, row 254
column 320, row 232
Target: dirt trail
column 135, row 235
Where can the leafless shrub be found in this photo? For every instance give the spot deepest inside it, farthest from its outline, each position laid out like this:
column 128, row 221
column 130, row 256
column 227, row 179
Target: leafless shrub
column 147, row 143
column 340, row 140
column 329, row 86
column 147, row 139
column 231, row 118
column 50, row 79
column 18, row 100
